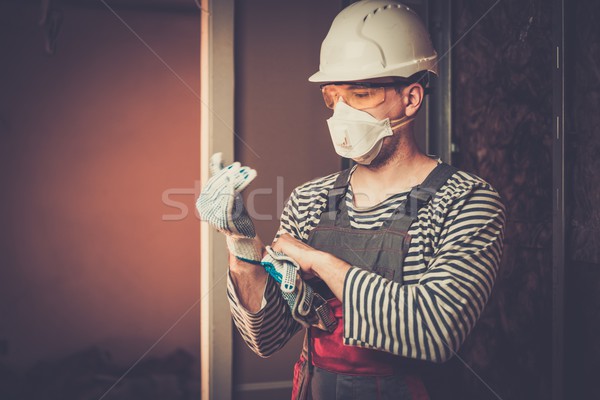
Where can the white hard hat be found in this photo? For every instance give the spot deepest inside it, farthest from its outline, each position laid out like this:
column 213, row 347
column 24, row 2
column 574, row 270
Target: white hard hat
column 373, row 39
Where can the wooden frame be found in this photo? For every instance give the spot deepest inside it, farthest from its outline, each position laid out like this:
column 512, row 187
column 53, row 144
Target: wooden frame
column 217, row 134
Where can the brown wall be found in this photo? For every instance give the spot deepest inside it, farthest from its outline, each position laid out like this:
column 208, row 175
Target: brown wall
column 281, row 118
column 90, row 140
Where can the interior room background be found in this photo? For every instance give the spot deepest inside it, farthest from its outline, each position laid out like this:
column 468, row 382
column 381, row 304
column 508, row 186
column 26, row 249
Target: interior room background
column 99, row 169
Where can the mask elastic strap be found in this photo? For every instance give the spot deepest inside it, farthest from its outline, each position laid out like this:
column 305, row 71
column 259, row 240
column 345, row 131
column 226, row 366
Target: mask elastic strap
column 397, row 123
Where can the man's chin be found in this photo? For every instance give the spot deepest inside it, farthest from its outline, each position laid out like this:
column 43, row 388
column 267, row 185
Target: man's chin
column 385, row 156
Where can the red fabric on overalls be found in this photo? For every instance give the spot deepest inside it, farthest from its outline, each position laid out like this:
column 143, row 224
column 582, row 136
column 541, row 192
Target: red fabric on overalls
column 330, row 353
column 298, row 367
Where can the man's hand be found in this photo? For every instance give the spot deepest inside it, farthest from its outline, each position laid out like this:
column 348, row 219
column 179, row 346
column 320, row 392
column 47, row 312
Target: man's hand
column 304, row 255
column 282, row 268
column 314, row 262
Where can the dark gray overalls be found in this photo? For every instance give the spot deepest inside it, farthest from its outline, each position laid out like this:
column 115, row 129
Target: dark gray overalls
column 328, row 369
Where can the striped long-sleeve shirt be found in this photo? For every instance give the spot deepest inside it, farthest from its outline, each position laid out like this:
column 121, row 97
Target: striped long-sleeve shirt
column 448, row 273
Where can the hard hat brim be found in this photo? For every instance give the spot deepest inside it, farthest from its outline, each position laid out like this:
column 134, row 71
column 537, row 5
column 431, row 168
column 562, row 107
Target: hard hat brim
column 404, row 70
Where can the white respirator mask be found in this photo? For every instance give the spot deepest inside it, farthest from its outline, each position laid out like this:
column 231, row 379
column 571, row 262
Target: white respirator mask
column 357, row 134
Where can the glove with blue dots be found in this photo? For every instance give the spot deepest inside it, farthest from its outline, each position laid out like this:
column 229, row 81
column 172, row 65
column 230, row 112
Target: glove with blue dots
column 306, row 305
column 221, row 205
column 282, row 268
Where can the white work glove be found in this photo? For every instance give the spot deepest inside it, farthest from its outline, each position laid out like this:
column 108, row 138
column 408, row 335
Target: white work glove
column 221, row 205
column 282, row 268
column 307, row 307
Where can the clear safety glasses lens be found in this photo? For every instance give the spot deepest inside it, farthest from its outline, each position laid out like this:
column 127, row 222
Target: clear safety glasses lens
column 359, row 95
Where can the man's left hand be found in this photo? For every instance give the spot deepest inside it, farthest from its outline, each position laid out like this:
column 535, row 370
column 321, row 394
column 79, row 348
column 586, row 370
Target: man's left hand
column 306, row 257
column 314, row 262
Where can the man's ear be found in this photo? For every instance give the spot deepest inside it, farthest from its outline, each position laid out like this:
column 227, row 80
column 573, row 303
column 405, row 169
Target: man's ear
column 414, row 98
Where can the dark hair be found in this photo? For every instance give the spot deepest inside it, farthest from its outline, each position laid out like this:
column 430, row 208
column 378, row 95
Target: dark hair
column 421, row 77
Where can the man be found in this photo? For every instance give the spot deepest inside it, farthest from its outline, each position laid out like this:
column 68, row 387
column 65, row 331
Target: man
column 398, row 254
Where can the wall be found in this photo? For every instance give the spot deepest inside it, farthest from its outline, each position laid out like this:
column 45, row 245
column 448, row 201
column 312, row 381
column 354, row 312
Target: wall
column 502, row 126
column 582, row 319
column 280, row 119
column 91, row 139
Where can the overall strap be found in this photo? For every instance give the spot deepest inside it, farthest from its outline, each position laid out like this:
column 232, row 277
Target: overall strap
column 419, row 196
column 335, row 201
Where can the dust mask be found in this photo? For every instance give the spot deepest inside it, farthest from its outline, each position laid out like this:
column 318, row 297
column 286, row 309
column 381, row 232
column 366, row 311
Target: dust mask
column 357, row 134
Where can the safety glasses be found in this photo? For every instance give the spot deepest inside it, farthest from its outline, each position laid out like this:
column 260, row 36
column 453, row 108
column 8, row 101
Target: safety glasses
column 359, row 95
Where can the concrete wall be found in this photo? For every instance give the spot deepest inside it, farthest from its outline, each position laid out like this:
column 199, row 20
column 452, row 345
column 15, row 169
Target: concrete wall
column 91, row 140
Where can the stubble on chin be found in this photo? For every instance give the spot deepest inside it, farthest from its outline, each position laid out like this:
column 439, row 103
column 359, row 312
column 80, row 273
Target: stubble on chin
column 387, row 153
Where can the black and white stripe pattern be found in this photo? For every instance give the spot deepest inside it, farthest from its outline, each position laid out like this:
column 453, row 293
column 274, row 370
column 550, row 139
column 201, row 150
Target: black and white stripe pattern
column 449, row 273
column 267, row 330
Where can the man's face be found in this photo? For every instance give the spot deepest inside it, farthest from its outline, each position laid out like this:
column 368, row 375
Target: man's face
column 381, row 98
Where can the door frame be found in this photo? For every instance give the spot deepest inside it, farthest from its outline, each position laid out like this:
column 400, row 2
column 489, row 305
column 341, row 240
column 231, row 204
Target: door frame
column 216, row 135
